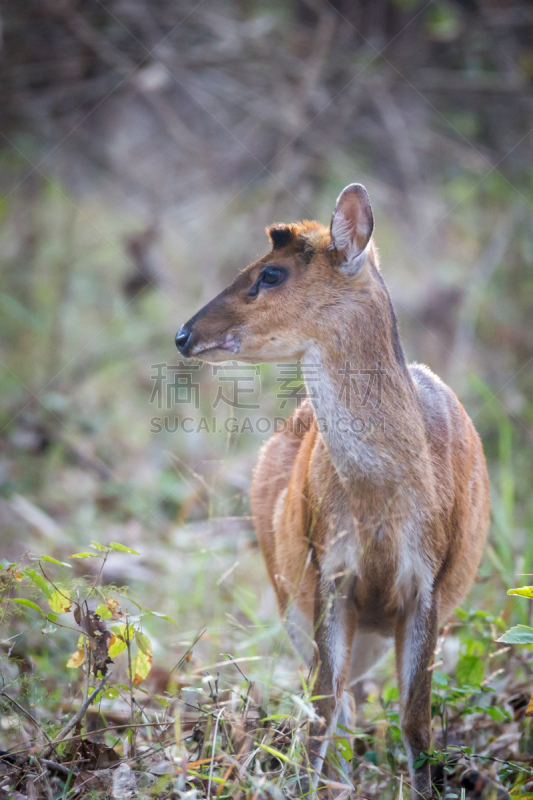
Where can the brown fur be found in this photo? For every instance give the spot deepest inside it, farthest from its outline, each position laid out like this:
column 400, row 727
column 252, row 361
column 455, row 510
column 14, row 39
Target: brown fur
column 371, row 514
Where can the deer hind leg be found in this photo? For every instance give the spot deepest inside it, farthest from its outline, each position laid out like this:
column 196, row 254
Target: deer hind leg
column 335, row 622
column 416, row 639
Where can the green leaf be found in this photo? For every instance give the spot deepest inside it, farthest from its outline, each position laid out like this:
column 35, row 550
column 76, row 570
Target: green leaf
column 116, row 647
column 60, row 602
column 168, row 619
column 23, row 602
column 103, row 611
column 274, row 752
column 470, row 670
column 524, row 591
column 39, row 580
column 141, row 665
column 343, row 746
column 420, row 761
column 439, row 678
column 122, row 548
column 160, row 699
column 496, row 714
column 85, row 555
column 98, row 546
column 122, row 634
column 55, row 561
column 520, row 634
column 143, row 643
column 126, row 632
column 130, row 600
column 344, row 728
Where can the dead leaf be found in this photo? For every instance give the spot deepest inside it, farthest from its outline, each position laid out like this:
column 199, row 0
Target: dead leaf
column 124, row 783
column 76, row 659
column 96, row 755
column 529, row 709
column 98, row 635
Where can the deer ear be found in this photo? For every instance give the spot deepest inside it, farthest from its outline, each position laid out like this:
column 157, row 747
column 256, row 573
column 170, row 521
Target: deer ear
column 352, row 224
column 280, row 235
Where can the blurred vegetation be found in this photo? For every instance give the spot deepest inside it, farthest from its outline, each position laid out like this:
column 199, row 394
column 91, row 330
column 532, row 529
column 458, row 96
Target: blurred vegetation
column 144, row 147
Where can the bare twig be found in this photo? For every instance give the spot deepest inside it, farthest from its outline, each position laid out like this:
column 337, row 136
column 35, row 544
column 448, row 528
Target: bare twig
column 79, row 715
column 72, row 770
column 115, row 726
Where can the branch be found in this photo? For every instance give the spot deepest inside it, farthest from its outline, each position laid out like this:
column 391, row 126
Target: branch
column 78, row 716
column 58, row 767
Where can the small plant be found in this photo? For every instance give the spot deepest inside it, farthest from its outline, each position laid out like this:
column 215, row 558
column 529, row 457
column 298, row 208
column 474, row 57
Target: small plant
column 101, row 623
column 520, row 634
column 105, row 629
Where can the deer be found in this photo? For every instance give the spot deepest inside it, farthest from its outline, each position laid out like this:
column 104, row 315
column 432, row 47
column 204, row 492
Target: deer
column 371, row 504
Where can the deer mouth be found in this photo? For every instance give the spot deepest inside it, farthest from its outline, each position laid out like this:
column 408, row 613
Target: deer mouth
column 230, row 343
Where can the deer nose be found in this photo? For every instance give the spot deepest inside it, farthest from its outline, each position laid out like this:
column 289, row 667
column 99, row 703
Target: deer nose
column 183, row 340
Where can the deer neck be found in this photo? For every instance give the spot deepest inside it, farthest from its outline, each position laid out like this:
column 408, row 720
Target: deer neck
column 364, row 397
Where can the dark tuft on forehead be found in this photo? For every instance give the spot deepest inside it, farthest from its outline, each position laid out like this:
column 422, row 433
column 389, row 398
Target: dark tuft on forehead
column 305, row 239
column 280, row 236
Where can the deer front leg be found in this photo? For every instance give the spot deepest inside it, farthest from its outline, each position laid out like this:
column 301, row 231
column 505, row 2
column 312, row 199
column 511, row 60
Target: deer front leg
column 334, row 632
column 416, row 639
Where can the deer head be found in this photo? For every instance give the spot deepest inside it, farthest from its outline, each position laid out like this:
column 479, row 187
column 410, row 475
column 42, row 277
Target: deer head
column 284, row 303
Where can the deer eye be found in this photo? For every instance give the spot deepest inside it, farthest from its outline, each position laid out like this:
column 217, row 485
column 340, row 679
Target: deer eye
column 273, row 276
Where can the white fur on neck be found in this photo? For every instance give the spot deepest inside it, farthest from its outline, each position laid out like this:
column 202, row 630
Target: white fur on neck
column 352, row 452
